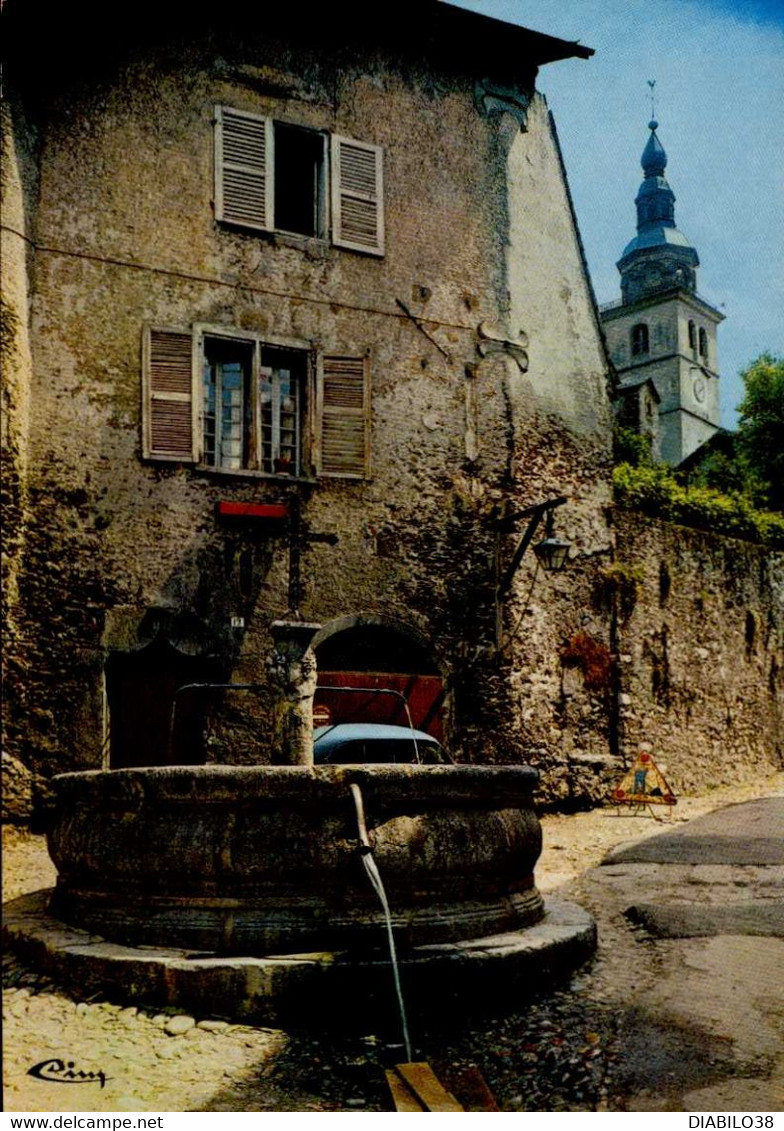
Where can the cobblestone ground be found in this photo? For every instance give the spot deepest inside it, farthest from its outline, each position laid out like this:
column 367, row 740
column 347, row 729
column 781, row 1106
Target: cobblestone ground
column 560, row 1052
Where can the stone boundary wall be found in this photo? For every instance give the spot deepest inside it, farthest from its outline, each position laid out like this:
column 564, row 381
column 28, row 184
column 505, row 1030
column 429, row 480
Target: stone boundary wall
column 19, row 188
column 700, row 637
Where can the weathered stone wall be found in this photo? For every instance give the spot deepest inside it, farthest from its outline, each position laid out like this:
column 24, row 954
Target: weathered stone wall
column 675, row 646
column 563, row 727
column 701, row 643
column 561, row 421
column 18, row 170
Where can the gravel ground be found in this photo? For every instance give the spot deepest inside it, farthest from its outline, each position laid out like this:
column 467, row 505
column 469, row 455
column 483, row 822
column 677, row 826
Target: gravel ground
column 561, row 1052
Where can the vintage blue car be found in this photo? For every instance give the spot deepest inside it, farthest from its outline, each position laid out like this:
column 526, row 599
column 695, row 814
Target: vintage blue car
column 347, row 743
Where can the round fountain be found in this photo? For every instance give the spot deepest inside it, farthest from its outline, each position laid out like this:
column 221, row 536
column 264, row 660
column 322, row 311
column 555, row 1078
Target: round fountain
column 239, row 891
column 264, row 860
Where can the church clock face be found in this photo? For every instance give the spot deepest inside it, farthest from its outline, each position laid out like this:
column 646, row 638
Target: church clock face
column 699, row 389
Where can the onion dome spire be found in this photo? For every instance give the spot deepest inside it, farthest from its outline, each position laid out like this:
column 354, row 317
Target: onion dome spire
column 655, row 200
column 659, row 258
column 654, row 159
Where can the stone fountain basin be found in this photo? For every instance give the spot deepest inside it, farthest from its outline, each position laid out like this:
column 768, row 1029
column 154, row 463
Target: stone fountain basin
column 264, row 860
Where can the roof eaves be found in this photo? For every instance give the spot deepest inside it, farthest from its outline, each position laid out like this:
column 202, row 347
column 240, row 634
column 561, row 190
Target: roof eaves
column 539, row 47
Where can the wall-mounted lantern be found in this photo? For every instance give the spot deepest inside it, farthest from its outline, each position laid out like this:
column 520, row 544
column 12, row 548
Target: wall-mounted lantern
column 552, row 553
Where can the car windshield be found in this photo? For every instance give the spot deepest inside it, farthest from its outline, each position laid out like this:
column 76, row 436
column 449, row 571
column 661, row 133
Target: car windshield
column 387, row 750
column 358, row 743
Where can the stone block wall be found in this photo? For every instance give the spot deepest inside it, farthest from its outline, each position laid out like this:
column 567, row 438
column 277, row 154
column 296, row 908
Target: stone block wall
column 19, row 185
column 700, row 637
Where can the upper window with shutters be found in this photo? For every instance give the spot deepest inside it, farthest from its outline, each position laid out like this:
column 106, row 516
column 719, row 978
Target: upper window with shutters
column 277, row 177
column 231, row 402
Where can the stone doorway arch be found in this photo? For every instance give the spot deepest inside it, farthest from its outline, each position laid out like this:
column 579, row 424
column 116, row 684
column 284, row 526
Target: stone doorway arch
column 373, row 653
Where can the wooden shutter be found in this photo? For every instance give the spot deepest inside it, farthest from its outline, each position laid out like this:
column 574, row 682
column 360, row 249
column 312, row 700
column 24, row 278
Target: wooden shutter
column 243, row 168
column 357, row 196
column 344, row 413
column 169, row 424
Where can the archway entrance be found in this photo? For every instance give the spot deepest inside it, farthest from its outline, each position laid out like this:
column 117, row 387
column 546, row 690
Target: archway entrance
column 368, row 657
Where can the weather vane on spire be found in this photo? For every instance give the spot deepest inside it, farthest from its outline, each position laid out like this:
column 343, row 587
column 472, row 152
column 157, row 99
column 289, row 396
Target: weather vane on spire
column 652, row 84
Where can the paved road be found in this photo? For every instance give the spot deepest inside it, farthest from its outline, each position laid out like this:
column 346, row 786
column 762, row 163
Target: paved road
column 692, row 953
column 750, row 833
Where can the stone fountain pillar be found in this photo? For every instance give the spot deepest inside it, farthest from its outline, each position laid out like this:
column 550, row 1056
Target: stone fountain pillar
column 293, row 675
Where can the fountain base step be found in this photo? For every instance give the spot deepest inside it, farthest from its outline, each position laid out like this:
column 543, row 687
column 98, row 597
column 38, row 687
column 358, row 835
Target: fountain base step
column 458, row 978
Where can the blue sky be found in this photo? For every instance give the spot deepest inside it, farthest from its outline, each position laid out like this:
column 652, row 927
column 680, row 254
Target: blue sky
column 719, row 71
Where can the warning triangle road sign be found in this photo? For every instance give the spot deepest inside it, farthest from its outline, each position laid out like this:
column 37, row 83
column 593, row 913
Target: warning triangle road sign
column 643, row 784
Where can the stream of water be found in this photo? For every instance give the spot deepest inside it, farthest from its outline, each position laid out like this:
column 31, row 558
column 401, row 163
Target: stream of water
column 375, row 879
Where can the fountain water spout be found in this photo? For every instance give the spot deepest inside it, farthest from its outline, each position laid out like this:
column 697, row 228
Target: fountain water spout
column 374, row 876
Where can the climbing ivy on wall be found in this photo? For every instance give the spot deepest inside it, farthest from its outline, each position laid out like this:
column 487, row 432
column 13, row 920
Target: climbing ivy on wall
column 657, row 492
column 622, row 580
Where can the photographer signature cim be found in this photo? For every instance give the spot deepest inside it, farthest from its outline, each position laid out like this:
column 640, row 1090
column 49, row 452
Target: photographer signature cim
column 57, row 1071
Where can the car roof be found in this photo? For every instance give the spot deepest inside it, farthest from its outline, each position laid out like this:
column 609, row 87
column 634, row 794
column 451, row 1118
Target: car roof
column 327, row 736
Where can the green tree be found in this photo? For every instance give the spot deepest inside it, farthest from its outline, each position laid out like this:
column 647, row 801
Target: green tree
column 761, row 425
column 730, row 473
column 631, row 447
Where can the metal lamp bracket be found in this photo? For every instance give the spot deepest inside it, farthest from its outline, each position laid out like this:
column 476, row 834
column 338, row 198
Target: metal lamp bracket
column 534, row 514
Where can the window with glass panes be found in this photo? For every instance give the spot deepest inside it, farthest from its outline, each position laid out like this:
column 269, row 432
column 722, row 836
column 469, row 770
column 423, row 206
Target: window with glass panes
column 281, row 377
column 229, row 401
column 252, row 406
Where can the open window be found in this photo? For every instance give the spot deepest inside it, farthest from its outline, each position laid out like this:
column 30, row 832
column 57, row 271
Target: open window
column 234, row 402
column 299, row 181
column 275, row 176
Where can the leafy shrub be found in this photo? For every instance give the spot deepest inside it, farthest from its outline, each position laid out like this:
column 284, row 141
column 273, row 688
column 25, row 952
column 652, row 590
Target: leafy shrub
column 761, row 425
column 656, row 491
column 632, row 447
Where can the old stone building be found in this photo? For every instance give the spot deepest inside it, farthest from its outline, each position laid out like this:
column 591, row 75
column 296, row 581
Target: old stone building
column 297, row 330
column 662, row 331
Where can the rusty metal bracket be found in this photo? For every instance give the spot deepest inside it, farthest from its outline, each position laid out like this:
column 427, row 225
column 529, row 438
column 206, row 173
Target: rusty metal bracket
column 423, row 330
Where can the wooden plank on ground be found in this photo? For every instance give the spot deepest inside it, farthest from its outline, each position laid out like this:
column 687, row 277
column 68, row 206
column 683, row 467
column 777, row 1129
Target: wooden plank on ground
column 430, row 1092
column 402, row 1096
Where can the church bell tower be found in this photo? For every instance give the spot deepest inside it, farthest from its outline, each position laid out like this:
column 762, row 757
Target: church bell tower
column 662, row 334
